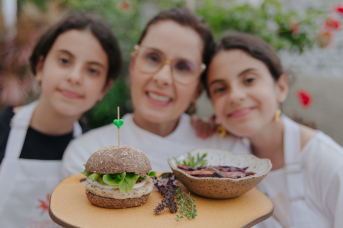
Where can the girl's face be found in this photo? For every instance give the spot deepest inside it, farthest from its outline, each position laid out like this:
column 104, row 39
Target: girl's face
column 73, row 74
column 244, row 94
column 158, row 97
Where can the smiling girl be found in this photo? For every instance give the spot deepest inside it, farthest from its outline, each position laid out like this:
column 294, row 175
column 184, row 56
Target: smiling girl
column 165, row 70
column 75, row 62
column 247, row 85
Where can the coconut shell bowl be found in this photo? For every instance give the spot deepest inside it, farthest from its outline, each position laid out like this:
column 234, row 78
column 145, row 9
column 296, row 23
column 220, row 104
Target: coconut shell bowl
column 223, row 187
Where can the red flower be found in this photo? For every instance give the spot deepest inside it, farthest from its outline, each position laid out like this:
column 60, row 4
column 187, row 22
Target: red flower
column 339, row 9
column 324, row 39
column 124, row 5
column 305, row 98
column 294, row 28
column 332, row 24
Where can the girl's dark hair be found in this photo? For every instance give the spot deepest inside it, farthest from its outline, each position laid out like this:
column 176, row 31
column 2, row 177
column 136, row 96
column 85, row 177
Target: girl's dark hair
column 185, row 17
column 81, row 21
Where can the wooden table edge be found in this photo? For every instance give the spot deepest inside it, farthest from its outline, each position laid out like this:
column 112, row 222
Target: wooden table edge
column 255, row 221
column 59, row 221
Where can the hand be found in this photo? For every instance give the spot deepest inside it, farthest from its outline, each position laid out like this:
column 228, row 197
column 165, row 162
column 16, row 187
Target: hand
column 204, row 128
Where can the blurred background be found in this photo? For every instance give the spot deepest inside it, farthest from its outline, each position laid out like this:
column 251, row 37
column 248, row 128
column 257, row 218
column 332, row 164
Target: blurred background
column 307, row 34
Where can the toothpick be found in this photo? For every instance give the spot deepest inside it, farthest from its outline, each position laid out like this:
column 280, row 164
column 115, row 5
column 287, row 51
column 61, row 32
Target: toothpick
column 118, row 111
column 118, row 122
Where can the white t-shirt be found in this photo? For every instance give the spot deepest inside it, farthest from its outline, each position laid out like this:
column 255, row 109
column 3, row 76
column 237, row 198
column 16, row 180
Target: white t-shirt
column 322, row 162
column 157, row 148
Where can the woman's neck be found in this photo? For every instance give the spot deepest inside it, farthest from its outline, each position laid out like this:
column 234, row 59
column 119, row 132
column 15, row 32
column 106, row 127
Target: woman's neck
column 268, row 143
column 46, row 120
column 161, row 129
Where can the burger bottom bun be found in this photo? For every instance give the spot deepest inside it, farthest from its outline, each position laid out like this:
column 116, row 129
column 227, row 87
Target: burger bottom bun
column 116, row 203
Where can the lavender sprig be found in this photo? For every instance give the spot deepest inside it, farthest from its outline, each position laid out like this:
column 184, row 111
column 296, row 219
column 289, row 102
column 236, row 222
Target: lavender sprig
column 167, row 186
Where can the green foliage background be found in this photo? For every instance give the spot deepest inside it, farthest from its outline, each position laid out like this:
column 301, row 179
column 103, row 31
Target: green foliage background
column 271, row 21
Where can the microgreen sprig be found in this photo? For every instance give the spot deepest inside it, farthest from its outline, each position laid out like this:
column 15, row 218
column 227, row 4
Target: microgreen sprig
column 185, row 205
column 192, row 161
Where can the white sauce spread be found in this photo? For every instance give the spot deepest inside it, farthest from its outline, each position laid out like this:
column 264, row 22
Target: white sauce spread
column 112, row 191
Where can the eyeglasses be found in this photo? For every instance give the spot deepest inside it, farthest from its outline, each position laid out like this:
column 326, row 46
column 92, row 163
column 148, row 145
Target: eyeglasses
column 150, row 60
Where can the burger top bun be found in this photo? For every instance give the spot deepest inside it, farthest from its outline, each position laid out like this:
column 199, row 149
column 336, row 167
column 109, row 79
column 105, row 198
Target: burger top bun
column 118, row 159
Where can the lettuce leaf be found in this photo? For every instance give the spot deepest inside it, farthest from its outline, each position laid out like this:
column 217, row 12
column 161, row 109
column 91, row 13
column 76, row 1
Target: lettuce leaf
column 151, row 173
column 142, row 178
column 94, row 176
column 128, row 182
column 86, row 173
column 113, row 179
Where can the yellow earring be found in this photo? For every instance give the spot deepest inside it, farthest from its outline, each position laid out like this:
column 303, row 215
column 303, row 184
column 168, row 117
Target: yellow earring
column 277, row 115
column 221, row 131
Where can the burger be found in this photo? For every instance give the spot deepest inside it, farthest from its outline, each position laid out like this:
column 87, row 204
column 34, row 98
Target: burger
column 118, row 177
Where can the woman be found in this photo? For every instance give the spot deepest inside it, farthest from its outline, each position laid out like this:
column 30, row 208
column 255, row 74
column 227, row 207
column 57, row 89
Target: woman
column 165, row 71
column 247, row 85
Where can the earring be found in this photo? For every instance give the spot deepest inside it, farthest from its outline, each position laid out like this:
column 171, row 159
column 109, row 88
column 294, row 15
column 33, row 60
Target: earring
column 277, row 115
column 221, row 131
column 192, row 109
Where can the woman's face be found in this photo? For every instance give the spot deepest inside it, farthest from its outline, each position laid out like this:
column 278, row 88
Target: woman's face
column 157, row 97
column 244, row 94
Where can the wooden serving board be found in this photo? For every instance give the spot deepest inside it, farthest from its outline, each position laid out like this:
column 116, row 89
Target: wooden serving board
column 69, row 207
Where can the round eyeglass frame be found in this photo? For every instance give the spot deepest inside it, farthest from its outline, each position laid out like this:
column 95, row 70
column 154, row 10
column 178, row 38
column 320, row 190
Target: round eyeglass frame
column 201, row 66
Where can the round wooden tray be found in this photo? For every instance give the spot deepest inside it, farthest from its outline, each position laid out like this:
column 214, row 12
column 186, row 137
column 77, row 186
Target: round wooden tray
column 69, row 207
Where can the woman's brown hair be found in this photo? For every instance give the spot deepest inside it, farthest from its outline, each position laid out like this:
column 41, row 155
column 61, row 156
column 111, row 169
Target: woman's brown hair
column 185, row 17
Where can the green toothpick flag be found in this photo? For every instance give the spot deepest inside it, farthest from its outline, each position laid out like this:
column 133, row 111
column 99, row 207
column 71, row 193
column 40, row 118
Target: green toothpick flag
column 118, row 122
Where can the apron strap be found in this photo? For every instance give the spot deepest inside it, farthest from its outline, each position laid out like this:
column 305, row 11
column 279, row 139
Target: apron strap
column 295, row 175
column 77, row 129
column 19, row 125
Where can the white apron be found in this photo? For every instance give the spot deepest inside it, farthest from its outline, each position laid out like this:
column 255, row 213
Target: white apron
column 295, row 175
column 25, row 184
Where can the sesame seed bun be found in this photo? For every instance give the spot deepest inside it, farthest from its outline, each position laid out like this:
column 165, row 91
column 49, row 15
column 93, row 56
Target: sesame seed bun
column 118, row 159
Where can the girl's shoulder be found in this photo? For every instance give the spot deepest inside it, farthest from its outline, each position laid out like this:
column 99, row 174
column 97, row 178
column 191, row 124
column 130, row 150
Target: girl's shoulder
column 311, row 138
column 321, row 152
column 306, row 135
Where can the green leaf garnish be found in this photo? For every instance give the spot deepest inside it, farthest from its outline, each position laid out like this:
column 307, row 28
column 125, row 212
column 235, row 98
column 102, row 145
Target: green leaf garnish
column 151, row 173
column 113, row 179
column 125, row 181
column 86, row 173
column 141, row 178
column 194, row 162
column 128, row 182
column 94, row 176
column 185, row 204
column 177, row 161
column 101, row 180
